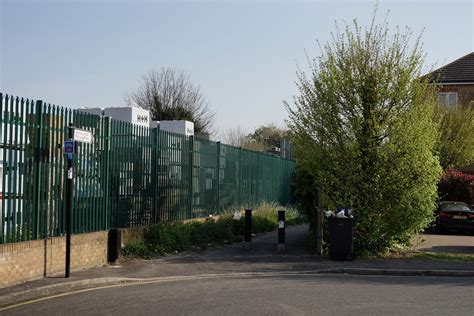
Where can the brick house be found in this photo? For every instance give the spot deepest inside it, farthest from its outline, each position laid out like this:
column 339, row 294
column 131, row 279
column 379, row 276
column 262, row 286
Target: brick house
column 456, row 81
column 456, row 86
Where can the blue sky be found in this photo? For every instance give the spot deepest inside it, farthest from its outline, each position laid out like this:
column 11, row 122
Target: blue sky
column 243, row 54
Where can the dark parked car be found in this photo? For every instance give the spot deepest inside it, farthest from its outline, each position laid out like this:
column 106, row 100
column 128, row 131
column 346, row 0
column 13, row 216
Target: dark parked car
column 452, row 215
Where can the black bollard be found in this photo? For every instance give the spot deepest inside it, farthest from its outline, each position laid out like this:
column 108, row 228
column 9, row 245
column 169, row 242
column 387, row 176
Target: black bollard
column 248, row 229
column 281, row 231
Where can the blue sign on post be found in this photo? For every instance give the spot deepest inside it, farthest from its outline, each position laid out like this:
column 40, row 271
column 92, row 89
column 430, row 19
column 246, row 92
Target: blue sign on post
column 69, row 148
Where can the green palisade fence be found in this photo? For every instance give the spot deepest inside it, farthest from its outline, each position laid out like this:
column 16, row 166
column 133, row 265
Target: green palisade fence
column 128, row 176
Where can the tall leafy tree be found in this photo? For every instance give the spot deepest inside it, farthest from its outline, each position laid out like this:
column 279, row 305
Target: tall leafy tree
column 264, row 137
column 363, row 127
column 268, row 135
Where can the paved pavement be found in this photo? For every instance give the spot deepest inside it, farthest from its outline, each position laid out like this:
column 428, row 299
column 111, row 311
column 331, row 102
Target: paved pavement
column 234, row 261
column 452, row 242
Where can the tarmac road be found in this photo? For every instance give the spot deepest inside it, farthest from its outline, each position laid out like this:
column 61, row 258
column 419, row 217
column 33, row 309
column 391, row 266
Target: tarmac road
column 219, row 279
column 299, row 294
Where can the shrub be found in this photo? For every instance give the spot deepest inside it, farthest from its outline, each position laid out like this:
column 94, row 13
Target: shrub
column 135, row 250
column 306, row 194
column 364, row 131
column 164, row 238
column 455, row 145
column 456, row 186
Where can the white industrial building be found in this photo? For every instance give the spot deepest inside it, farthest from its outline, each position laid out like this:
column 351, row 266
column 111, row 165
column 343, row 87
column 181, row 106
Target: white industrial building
column 141, row 117
column 179, row 127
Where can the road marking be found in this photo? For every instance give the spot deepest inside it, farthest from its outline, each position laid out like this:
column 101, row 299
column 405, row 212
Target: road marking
column 313, row 273
column 131, row 282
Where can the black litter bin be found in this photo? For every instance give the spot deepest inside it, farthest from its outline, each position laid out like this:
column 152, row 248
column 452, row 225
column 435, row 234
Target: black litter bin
column 341, row 232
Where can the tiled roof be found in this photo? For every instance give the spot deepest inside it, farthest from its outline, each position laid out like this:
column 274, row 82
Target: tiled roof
column 459, row 71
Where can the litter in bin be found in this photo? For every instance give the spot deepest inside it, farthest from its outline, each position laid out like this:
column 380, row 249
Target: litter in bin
column 330, row 214
column 343, row 213
column 237, row 216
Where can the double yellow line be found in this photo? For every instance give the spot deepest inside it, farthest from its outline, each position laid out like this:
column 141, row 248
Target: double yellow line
column 132, row 282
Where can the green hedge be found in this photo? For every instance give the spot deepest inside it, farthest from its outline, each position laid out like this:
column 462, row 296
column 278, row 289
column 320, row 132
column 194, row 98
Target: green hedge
column 165, row 238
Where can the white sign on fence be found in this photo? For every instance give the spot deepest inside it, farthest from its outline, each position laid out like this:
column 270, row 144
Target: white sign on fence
column 82, row 136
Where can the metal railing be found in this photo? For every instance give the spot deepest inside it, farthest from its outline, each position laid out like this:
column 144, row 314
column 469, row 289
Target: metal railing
column 128, row 176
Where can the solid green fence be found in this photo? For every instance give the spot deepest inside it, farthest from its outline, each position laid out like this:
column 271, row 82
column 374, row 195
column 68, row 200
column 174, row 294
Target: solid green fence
column 128, row 176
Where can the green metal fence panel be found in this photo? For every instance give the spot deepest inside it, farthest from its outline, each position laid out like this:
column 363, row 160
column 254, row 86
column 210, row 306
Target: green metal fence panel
column 229, row 176
column 250, row 177
column 132, row 187
column 205, row 177
column 90, row 190
column 31, row 169
column 127, row 176
column 174, row 176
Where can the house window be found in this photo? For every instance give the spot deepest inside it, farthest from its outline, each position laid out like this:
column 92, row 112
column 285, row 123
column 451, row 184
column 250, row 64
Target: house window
column 448, row 98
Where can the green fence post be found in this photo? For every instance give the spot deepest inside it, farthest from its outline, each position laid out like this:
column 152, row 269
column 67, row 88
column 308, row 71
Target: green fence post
column 191, row 167
column 218, row 189
column 106, row 173
column 12, row 170
column 2, row 203
column 37, row 168
column 240, row 176
column 259, row 176
column 154, row 171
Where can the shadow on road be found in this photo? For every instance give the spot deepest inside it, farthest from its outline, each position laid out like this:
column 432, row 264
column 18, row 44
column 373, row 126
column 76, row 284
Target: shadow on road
column 378, row 280
column 263, row 257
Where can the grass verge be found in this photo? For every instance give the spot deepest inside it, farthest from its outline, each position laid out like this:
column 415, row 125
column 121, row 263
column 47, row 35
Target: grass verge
column 422, row 255
column 441, row 256
column 163, row 238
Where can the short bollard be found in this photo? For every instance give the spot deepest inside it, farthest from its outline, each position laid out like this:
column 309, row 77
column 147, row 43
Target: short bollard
column 281, row 231
column 248, row 229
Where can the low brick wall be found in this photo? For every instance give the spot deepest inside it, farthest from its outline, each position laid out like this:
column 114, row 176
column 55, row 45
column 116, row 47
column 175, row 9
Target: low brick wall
column 132, row 235
column 36, row 259
column 30, row 260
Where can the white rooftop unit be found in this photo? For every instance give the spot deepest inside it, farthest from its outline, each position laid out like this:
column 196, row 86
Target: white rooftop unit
column 141, row 117
column 129, row 114
column 179, row 127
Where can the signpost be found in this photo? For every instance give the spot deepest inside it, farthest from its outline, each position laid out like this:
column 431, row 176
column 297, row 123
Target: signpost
column 82, row 136
column 75, row 135
column 69, row 148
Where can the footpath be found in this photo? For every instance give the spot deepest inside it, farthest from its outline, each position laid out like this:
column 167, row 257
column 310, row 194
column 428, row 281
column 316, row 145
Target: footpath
column 231, row 261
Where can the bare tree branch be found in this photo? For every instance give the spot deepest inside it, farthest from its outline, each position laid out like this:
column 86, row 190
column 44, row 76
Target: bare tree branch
column 234, row 136
column 169, row 94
